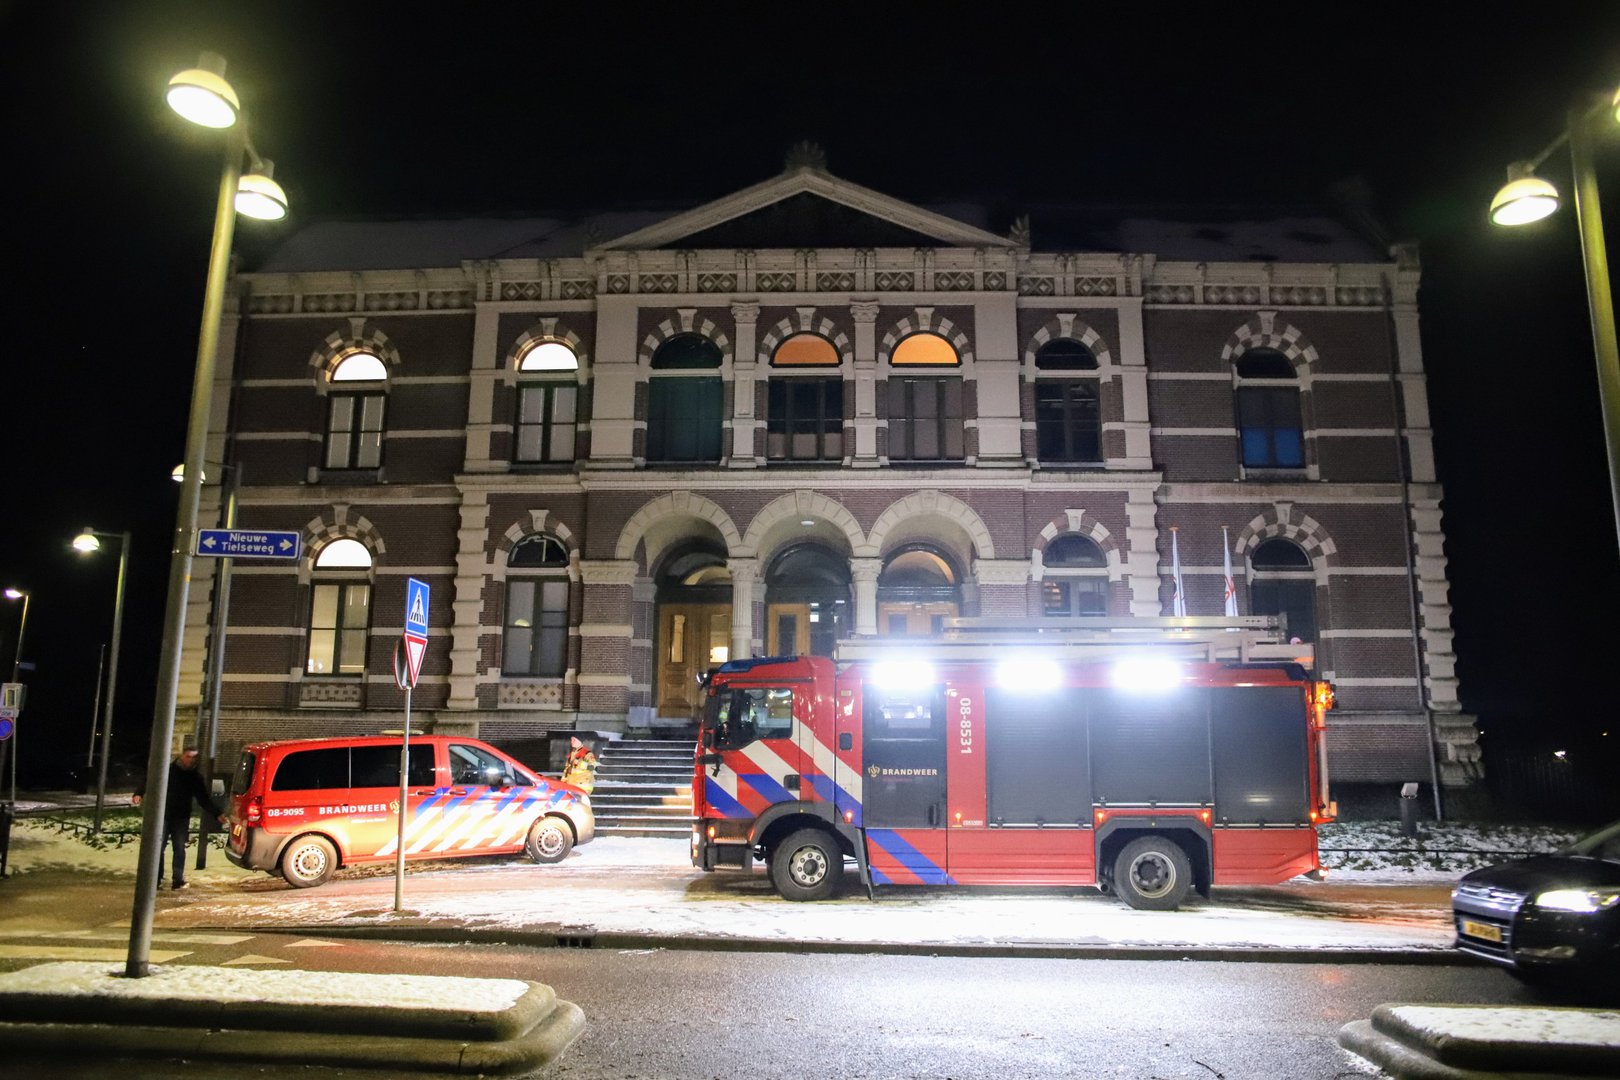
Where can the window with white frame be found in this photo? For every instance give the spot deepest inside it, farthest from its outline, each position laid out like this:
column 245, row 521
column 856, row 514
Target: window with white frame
column 1074, row 578
column 340, row 610
column 534, row 637
column 1284, row 583
column 547, row 404
column 1270, row 432
column 356, row 406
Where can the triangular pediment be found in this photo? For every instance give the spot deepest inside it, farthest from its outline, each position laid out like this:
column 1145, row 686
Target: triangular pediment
column 806, row 208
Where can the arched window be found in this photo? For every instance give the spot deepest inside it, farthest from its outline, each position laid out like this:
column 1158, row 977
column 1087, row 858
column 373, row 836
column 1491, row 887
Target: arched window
column 925, row 411
column 807, row 609
column 547, row 408
column 1075, row 580
column 1270, row 433
column 1068, row 418
column 805, row 413
column 684, row 401
column 534, row 638
column 1284, row 583
column 354, row 415
column 340, row 609
column 918, row 589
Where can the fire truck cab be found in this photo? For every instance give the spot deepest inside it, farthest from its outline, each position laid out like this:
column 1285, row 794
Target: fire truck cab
column 1166, row 759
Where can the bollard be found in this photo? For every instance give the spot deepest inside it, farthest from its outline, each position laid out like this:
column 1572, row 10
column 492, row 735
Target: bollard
column 1409, row 810
column 7, row 813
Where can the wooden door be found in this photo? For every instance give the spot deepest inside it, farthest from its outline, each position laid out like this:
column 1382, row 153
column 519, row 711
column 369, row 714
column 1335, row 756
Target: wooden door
column 692, row 638
column 788, row 627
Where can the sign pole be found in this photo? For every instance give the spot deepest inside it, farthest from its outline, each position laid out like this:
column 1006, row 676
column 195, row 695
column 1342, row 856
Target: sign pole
column 404, row 773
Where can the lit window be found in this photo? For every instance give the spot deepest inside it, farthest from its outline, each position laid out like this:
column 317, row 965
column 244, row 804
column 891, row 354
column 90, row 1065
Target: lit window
column 535, row 631
column 548, row 356
column 1075, row 580
column 340, row 610
column 805, row 350
column 343, row 555
column 360, row 367
column 1270, row 432
column 925, row 348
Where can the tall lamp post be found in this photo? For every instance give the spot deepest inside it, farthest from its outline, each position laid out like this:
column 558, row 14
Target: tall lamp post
column 88, row 542
column 208, row 739
column 16, row 676
column 202, row 96
column 1526, row 197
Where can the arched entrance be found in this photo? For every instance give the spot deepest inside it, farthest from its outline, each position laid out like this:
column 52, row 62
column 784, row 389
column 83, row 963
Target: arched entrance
column 807, row 602
column 918, row 589
column 694, row 624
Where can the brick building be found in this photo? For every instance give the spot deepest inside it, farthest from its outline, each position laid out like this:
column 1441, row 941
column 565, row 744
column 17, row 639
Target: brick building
column 623, row 448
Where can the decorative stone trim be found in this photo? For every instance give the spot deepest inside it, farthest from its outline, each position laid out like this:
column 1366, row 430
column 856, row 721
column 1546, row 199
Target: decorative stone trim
column 338, row 344
column 797, row 505
column 1001, row 571
column 604, row 572
column 345, row 694
column 535, row 694
column 924, row 322
column 1263, row 332
column 676, row 504
column 807, row 323
column 1307, row 532
column 930, row 504
column 686, row 322
column 338, row 526
column 1065, row 325
column 544, row 330
column 1079, row 523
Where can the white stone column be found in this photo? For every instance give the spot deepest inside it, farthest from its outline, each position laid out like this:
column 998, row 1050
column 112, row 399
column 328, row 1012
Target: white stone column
column 1455, row 733
column 1409, row 362
column 744, row 576
column 472, row 541
column 998, row 382
column 744, row 373
column 1142, row 543
column 865, row 455
column 615, row 373
column 864, row 574
column 1133, row 389
column 483, row 377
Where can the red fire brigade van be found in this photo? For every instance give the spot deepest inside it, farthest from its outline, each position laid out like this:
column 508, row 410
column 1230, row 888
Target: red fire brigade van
column 1145, row 771
column 302, row 808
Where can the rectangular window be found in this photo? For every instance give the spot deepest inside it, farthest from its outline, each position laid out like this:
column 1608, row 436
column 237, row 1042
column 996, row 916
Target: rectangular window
column 535, row 640
column 354, row 431
column 1269, row 427
column 378, row 766
column 925, row 419
column 547, row 421
column 338, row 618
column 683, row 419
column 1074, row 596
column 1067, row 420
column 756, row 713
column 805, row 420
column 1292, row 598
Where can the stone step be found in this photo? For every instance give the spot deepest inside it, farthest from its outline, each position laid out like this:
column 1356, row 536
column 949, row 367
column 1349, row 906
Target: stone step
column 649, row 831
column 611, row 803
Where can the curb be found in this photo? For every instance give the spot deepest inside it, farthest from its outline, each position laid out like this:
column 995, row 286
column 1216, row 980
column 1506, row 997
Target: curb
column 1410, row 1053
column 587, row 938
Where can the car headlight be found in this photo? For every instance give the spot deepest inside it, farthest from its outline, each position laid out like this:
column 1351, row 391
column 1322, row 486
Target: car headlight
column 1579, row 899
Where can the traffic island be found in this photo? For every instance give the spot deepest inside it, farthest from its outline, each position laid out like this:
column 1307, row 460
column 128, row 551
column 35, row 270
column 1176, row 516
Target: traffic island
column 1477, row 1042
column 416, row 1023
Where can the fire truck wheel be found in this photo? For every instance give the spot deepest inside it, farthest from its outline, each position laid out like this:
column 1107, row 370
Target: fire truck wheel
column 1152, row 874
column 807, row 865
column 308, row 861
column 549, row 841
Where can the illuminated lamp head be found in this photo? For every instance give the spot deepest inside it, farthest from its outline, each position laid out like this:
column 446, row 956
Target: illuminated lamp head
column 1147, row 674
column 903, row 674
column 1030, row 676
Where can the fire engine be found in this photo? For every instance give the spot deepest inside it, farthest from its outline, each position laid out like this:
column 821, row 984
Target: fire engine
column 1145, row 757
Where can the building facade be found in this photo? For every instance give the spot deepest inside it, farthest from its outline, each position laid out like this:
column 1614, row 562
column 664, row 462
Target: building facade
column 623, row 450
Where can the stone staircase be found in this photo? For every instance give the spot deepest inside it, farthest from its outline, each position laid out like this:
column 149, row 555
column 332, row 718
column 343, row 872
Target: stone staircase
column 644, row 788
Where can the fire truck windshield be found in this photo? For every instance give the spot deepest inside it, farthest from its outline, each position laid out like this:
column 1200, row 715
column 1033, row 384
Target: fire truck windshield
column 737, row 717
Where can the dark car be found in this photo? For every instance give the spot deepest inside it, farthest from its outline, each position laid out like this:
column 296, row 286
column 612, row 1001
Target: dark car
column 1548, row 916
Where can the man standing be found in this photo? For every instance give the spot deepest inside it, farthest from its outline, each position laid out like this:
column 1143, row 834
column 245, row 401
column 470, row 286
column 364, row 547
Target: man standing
column 185, row 787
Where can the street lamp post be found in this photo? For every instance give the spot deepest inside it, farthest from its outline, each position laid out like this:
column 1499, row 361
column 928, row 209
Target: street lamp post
column 16, row 676
column 1526, row 198
column 202, row 96
column 86, row 543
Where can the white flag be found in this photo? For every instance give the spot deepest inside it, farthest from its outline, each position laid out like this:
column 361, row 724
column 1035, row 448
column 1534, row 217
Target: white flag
column 1226, row 562
column 1179, row 604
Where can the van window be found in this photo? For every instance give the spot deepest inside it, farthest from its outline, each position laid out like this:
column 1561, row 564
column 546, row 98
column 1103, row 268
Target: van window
column 470, row 765
column 306, row 770
column 244, row 774
column 378, row 766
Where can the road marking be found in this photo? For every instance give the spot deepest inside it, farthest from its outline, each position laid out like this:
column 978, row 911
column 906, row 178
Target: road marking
column 252, row 959
column 78, row 952
column 311, row 943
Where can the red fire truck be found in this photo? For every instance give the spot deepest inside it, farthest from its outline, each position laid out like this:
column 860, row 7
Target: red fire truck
column 1147, row 760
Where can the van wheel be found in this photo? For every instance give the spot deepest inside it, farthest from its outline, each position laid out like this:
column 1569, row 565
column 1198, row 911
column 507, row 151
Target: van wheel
column 308, row 861
column 550, row 840
column 1152, row 874
column 807, row 865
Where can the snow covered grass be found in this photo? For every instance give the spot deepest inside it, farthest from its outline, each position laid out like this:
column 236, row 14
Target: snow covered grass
column 83, row 978
column 1446, row 848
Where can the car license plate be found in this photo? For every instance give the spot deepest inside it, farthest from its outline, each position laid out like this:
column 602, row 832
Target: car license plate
column 1484, row 931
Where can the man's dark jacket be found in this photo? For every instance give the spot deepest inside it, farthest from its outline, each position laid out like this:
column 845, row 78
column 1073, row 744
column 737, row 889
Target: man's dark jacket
column 185, row 785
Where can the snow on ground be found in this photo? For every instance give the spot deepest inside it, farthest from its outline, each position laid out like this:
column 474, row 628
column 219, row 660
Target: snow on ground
column 1568, row 1027
column 313, row 988
column 1376, row 851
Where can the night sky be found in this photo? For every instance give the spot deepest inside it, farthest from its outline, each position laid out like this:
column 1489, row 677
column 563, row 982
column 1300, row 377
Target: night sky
column 405, row 110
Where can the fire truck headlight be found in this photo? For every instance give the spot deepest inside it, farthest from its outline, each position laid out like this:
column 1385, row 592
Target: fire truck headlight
column 903, row 674
column 1147, row 674
column 1029, row 676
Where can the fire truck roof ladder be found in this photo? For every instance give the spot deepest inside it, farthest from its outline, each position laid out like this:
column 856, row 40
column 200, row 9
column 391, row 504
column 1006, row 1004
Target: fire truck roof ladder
column 1210, row 638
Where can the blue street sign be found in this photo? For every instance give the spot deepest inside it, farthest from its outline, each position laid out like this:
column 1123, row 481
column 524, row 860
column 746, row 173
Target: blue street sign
column 416, row 607
column 248, row 544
